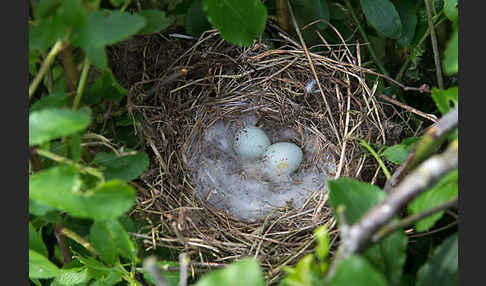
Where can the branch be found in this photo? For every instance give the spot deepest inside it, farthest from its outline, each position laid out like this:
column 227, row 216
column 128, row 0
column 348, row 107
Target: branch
column 283, row 15
column 184, row 261
column 434, row 136
column 391, row 228
column 357, row 237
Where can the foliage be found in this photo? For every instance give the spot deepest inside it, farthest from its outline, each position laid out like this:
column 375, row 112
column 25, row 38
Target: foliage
column 70, row 181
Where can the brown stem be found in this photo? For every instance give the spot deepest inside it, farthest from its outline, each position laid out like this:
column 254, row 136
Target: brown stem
column 70, row 69
column 391, row 228
column 62, row 242
column 283, row 15
column 435, row 49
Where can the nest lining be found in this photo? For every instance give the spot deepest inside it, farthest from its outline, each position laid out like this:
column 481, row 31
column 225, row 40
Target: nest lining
column 224, row 81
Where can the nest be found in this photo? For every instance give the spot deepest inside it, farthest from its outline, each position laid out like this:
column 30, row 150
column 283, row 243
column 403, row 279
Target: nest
column 206, row 80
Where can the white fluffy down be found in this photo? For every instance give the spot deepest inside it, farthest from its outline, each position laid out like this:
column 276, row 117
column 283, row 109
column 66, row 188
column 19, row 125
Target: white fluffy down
column 245, row 188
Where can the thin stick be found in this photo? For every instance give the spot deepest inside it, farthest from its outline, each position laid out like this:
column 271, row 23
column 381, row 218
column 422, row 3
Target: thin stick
column 435, row 49
column 76, row 237
column 58, row 46
column 183, row 264
column 378, row 159
column 60, row 159
column 430, row 117
column 391, row 228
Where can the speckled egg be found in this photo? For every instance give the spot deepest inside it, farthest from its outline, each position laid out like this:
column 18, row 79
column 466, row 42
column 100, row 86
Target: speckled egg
column 282, row 158
column 250, row 142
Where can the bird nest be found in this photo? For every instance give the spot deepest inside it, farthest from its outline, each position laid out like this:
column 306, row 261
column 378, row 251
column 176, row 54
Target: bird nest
column 205, row 80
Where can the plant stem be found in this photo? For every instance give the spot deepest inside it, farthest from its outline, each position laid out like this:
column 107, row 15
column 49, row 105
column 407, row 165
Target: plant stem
column 62, row 242
column 283, row 14
column 82, row 83
column 60, row 159
column 381, row 67
column 380, row 162
column 76, row 237
column 389, row 229
column 58, row 46
column 435, row 49
column 69, row 68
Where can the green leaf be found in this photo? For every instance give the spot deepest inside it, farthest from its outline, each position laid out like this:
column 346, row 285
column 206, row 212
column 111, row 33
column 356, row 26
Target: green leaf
column 450, row 10
column 72, row 276
column 305, row 273
column 408, row 17
column 242, row 273
column 323, row 243
column 38, row 209
column 451, row 54
column 110, row 239
column 52, row 123
column 383, row 16
column 357, row 197
column 100, row 31
column 156, row 21
column 444, row 190
column 307, row 11
column 398, row 153
column 40, row 267
column 103, row 275
column 35, row 241
column 240, row 22
column 106, row 87
column 125, row 167
column 444, row 98
column 441, row 268
column 196, row 20
column 388, row 256
column 54, row 100
column 59, row 187
column 355, row 270
column 45, row 33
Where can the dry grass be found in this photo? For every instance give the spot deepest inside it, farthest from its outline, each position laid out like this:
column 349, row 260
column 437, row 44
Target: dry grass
column 212, row 80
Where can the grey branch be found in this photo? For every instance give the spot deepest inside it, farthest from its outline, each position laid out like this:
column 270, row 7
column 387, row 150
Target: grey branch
column 357, row 237
column 436, row 134
column 150, row 264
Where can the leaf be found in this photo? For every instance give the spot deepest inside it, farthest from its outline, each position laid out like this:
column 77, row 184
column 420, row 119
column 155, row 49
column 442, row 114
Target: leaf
column 303, row 274
column 450, row 10
column 398, row 153
column 38, row 209
column 196, row 20
column 103, row 275
column 444, row 190
column 240, row 22
column 125, row 167
column 451, row 54
column 242, row 273
column 307, row 11
column 356, row 196
column 100, row 31
column 110, row 239
column 383, row 16
column 388, row 256
column 106, row 87
column 59, row 187
column 444, row 98
column 408, row 17
column 54, row 100
column 355, row 270
column 322, row 236
column 156, row 21
column 35, row 241
column 442, row 267
column 52, row 123
column 72, row 276
column 45, row 33
column 40, row 267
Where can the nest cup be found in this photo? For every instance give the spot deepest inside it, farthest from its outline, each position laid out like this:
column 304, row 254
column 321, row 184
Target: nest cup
column 212, row 81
